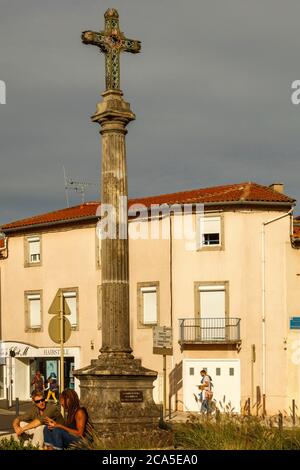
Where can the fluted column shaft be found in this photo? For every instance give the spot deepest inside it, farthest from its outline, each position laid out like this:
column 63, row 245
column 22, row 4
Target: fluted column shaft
column 113, row 114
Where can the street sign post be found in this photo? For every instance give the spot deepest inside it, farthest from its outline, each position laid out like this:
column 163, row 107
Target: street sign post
column 55, row 307
column 163, row 344
column 54, row 329
column 60, row 328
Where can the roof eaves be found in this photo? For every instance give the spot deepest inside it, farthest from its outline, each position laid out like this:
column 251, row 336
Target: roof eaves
column 20, row 228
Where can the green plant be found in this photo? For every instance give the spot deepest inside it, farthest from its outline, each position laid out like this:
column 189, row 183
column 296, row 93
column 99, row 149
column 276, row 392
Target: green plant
column 13, row 444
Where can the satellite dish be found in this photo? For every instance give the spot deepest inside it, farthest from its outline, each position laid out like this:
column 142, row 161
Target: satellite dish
column 2, row 236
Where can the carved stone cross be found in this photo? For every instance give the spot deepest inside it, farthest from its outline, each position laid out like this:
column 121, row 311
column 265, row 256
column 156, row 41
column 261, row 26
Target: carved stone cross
column 111, row 42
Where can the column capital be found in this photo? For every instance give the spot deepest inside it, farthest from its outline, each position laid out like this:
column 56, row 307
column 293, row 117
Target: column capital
column 113, row 109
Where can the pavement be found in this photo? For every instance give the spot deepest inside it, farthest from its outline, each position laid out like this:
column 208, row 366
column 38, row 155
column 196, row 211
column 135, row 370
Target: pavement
column 7, row 415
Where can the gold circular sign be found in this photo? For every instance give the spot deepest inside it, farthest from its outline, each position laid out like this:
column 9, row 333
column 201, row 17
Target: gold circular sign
column 54, row 329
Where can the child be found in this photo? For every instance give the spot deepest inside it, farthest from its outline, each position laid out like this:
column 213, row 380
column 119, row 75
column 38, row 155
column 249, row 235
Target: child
column 53, row 387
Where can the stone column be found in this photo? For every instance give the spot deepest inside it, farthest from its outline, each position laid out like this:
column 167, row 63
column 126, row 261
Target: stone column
column 115, row 388
column 113, row 115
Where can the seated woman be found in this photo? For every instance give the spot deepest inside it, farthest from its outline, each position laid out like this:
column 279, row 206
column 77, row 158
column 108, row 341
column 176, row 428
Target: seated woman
column 59, row 436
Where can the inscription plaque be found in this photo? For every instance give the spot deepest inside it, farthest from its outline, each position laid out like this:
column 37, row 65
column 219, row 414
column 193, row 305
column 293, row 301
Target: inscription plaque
column 131, row 396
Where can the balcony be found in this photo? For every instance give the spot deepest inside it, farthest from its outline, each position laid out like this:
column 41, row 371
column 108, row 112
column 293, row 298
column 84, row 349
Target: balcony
column 209, row 330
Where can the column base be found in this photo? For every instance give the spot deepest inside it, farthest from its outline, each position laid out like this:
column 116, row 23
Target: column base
column 118, row 394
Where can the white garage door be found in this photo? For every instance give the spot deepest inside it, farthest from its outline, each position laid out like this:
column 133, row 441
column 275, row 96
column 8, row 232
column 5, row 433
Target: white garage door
column 225, row 374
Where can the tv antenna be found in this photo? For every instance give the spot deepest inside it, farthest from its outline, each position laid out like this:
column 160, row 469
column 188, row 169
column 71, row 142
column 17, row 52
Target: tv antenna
column 77, row 186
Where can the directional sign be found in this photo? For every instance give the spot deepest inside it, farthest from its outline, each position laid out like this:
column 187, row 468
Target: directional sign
column 55, row 306
column 162, row 340
column 295, row 323
column 54, row 329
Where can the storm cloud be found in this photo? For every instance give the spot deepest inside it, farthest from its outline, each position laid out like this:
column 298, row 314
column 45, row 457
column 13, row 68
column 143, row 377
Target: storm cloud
column 211, row 90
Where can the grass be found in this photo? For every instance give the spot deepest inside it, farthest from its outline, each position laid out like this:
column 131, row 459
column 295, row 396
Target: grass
column 234, row 432
column 220, row 431
column 223, row 431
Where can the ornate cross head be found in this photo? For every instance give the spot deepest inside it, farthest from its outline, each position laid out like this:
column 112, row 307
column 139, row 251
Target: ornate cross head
column 111, row 42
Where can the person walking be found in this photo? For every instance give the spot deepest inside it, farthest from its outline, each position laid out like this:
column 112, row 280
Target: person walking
column 38, row 382
column 206, row 390
column 60, row 436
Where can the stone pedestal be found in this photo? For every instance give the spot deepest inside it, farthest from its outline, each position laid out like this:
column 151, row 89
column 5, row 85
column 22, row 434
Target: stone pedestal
column 117, row 392
column 115, row 388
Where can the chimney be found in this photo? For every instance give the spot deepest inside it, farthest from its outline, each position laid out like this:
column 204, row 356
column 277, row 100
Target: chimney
column 279, row 187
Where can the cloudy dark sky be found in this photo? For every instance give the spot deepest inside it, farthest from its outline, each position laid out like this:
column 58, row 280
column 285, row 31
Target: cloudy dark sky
column 211, row 91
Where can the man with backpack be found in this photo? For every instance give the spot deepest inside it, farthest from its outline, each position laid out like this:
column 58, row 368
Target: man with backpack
column 206, row 391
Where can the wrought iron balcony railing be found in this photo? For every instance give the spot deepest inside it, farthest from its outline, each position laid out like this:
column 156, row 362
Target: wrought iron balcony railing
column 209, row 330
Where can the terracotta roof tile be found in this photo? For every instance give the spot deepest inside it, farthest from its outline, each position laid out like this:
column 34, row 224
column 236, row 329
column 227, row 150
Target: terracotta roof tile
column 241, row 192
column 230, row 193
column 68, row 214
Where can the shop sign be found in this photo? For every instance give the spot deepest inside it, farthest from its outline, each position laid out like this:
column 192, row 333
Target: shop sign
column 26, row 350
column 20, row 349
column 52, row 352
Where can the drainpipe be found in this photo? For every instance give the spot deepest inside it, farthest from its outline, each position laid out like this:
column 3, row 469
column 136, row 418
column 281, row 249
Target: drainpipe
column 263, row 319
column 171, row 272
column 2, row 237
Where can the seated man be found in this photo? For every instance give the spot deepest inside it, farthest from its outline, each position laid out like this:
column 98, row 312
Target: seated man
column 33, row 421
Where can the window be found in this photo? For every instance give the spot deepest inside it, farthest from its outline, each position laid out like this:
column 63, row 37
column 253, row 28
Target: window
column 33, row 251
column 218, row 371
column 192, row 371
column 211, row 307
column 71, row 300
column 231, row 370
column 210, row 231
column 33, row 311
column 148, row 304
column 212, row 301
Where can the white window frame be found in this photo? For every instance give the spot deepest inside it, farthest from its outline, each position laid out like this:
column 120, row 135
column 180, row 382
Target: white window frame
column 210, row 219
column 37, row 260
column 143, row 288
column 69, row 293
column 34, row 240
column 211, row 286
column 29, row 296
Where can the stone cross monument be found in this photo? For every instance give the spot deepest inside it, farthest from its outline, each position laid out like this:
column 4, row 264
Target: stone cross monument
column 115, row 388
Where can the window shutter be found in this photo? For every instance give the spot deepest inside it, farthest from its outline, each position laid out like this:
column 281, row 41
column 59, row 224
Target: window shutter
column 212, row 225
column 34, row 302
column 34, row 249
column 212, row 301
column 71, row 299
column 149, row 305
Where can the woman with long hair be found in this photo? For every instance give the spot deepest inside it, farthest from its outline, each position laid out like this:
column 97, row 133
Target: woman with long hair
column 60, row 436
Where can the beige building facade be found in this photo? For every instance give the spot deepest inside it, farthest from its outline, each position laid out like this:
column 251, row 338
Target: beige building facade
column 224, row 275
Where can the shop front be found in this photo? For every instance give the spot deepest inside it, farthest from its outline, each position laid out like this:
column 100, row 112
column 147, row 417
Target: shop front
column 19, row 363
